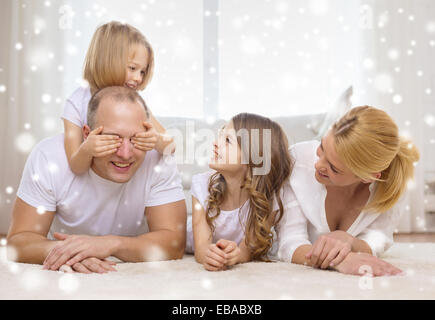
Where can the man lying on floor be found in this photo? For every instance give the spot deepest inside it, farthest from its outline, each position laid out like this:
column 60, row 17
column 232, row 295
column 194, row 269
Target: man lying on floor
column 129, row 205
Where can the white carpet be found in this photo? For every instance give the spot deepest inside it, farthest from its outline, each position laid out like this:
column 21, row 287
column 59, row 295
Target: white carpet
column 186, row 279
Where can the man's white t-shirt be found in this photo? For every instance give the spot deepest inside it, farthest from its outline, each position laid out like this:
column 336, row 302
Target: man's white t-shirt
column 89, row 204
column 375, row 228
column 76, row 106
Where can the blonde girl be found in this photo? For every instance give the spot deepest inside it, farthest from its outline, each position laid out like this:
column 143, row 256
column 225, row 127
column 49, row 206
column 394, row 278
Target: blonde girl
column 349, row 186
column 237, row 204
column 119, row 55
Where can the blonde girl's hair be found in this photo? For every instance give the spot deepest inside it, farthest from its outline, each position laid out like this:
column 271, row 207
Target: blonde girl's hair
column 262, row 189
column 367, row 141
column 107, row 57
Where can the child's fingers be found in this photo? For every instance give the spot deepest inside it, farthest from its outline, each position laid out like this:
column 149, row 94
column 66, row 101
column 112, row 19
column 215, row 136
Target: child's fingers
column 209, row 267
column 216, row 257
column 105, row 153
column 147, row 125
column 214, row 260
column 230, row 247
column 96, row 131
column 234, row 253
column 102, row 143
column 232, row 261
column 144, row 134
column 102, row 137
column 152, row 140
column 217, row 251
column 144, row 146
column 222, row 243
column 106, row 148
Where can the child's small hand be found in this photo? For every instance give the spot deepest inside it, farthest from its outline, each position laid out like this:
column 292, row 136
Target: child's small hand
column 231, row 250
column 214, row 258
column 146, row 140
column 101, row 145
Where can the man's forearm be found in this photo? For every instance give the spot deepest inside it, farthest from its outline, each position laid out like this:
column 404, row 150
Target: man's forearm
column 28, row 247
column 152, row 246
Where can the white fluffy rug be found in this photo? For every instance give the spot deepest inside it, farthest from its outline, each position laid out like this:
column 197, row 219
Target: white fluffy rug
column 186, row 279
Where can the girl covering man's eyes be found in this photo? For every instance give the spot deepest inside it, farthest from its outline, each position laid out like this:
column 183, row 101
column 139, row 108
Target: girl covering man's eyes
column 119, row 55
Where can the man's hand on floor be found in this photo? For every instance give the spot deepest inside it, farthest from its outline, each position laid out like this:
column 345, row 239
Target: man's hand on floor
column 73, row 249
column 89, row 265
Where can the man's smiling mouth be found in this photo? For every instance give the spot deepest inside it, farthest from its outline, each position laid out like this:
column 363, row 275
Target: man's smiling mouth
column 121, row 165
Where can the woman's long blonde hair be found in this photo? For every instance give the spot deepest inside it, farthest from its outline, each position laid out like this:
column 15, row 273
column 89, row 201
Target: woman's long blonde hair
column 367, row 141
column 262, row 189
column 107, row 57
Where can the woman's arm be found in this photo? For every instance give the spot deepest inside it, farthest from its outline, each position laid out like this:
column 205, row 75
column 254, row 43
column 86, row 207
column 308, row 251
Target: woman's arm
column 378, row 236
column 293, row 242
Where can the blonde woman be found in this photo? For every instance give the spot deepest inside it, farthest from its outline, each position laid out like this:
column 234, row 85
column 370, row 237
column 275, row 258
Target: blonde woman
column 349, row 186
column 237, row 204
column 119, row 55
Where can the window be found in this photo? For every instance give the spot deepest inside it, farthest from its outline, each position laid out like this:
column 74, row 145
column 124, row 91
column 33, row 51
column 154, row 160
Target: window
column 283, row 58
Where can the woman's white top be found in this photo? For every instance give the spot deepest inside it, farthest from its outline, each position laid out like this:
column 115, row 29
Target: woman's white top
column 229, row 225
column 375, row 228
column 76, row 106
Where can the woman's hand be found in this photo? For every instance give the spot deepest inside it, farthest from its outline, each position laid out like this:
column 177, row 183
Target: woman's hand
column 100, row 145
column 330, row 249
column 366, row 264
column 231, row 250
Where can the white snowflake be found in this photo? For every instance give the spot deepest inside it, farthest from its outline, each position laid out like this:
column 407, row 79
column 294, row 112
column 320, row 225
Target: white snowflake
column 24, row 142
column 383, row 82
column 9, row 190
column 40, row 210
column 429, row 119
column 68, row 283
column 32, row 280
column 393, row 54
column 397, row 99
column 207, row 284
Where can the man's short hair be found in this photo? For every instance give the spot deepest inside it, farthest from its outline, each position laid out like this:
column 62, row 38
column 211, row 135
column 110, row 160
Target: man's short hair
column 118, row 94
